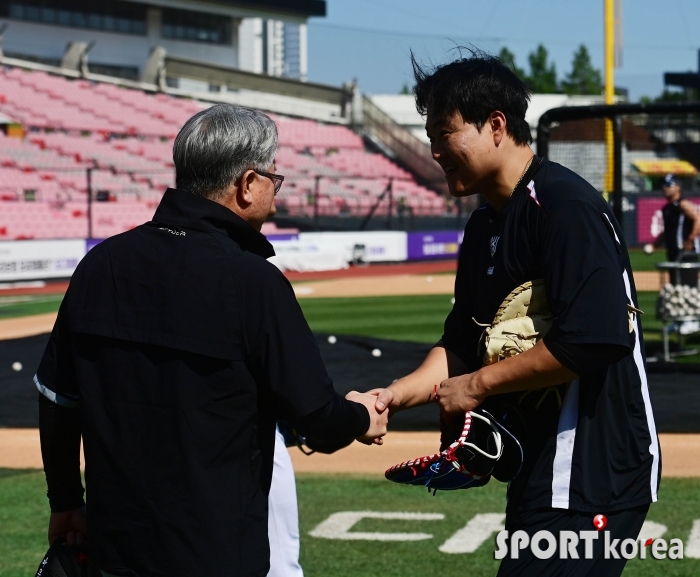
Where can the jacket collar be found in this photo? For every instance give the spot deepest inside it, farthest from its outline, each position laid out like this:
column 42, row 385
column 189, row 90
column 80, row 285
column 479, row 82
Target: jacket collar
column 191, row 211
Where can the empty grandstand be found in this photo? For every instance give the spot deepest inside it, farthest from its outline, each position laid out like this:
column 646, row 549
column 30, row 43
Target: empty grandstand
column 123, row 137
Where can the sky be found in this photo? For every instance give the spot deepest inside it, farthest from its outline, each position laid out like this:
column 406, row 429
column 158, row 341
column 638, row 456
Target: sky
column 371, row 40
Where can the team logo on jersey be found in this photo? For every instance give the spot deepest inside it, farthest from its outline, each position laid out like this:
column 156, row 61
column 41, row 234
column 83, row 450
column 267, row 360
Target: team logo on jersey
column 494, row 244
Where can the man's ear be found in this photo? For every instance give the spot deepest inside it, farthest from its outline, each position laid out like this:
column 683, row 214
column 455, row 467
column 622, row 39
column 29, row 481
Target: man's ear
column 497, row 122
column 245, row 189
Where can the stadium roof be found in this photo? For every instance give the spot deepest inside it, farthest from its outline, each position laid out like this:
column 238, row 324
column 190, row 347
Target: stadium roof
column 305, row 8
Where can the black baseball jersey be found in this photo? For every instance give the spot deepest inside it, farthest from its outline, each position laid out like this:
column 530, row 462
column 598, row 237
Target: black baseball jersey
column 597, row 448
column 677, row 229
column 179, row 346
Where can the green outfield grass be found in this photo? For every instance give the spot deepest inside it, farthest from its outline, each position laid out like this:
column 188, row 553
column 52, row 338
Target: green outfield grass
column 24, row 515
column 646, row 262
column 402, row 318
column 20, row 306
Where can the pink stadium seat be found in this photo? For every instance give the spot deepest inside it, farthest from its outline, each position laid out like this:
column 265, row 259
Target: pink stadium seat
column 126, row 135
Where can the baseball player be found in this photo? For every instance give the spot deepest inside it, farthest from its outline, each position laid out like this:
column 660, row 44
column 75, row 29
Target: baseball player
column 681, row 222
column 681, row 235
column 283, row 515
column 598, row 452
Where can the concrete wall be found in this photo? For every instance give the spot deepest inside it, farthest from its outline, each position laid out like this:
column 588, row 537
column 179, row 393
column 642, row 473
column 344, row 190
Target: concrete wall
column 50, row 41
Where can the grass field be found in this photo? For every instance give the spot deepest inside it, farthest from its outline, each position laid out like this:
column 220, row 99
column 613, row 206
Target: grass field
column 24, row 514
column 402, row 318
column 646, row 262
column 19, row 306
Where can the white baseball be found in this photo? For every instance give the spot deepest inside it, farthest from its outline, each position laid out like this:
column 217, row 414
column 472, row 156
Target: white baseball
column 332, row 340
column 376, row 353
column 648, row 248
column 17, row 366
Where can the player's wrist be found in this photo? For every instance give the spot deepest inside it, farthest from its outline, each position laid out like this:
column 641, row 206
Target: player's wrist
column 397, row 396
column 479, row 385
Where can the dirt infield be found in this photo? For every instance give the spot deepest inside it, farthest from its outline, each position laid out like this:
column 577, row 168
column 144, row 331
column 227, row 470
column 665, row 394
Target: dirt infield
column 19, row 449
column 395, row 285
column 26, row 326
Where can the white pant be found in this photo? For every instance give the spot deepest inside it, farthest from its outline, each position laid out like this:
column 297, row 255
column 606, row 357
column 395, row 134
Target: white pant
column 283, row 520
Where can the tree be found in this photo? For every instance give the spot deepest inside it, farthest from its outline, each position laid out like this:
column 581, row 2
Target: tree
column 508, row 58
column 543, row 76
column 671, row 96
column 406, row 89
column 583, row 78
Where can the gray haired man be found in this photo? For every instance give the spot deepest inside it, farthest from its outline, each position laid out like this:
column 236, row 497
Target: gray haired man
column 176, row 349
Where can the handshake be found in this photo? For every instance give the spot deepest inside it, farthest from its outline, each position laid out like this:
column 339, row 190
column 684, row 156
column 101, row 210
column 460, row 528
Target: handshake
column 378, row 420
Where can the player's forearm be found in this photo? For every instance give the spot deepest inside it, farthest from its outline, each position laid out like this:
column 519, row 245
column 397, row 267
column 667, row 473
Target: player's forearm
column 417, row 388
column 695, row 232
column 532, row 369
column 691, row 214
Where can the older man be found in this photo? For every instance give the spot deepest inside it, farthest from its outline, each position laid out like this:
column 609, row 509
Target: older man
column 175, row 350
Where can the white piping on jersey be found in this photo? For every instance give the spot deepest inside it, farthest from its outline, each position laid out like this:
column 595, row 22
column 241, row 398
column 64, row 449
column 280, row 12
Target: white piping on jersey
column 679, row 232
column 533, row 193
column 57, row 398
column 564, row 455
column 654, row 447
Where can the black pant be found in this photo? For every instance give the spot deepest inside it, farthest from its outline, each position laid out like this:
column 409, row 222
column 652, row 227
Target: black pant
column 621, row 525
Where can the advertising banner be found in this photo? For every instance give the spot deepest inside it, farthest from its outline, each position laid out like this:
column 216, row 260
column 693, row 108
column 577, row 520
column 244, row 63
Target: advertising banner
column 434, row 245
column 650, row 222
column 360, row 246
column 315, row 251
column 39, row 259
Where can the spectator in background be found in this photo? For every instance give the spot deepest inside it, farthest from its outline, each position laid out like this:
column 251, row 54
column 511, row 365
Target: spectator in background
column 681, row 222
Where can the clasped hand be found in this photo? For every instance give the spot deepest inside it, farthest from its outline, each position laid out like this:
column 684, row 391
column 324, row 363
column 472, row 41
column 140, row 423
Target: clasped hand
column 378, row 420
column 459, row 394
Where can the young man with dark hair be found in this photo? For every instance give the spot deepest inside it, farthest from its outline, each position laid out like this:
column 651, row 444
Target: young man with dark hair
column 597, row 451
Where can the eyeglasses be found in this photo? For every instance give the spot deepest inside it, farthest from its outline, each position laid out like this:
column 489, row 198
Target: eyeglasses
column 277, row 179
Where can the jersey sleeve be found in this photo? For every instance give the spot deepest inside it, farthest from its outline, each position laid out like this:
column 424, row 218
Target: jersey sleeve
column 280, row 346
column 59, row 419
column 584, row 277
column 55, row 377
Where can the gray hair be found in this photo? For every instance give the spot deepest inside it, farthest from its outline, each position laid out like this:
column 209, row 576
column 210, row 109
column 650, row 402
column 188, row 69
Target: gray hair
column 217, row 145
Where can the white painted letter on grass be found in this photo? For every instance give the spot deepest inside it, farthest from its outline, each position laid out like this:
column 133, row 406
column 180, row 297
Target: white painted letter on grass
column 651, row 530
column 338, row 526
column 692, row 547
column 470, row 537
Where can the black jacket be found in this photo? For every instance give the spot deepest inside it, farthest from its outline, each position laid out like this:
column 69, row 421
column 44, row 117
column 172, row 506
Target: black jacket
column 180, row 346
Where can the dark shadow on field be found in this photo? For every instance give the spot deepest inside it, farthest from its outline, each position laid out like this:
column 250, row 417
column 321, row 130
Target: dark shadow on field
column 352, row 367
column 675, row 392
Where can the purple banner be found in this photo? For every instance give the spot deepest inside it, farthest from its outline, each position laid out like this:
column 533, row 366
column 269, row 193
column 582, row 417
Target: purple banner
column 91, row 243
column 442, row 244
column 282, row 237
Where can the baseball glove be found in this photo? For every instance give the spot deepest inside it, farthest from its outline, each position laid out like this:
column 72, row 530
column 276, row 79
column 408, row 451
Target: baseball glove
column 489, row 443
column 522, row 319
column 63, row 560
column 483, row 448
